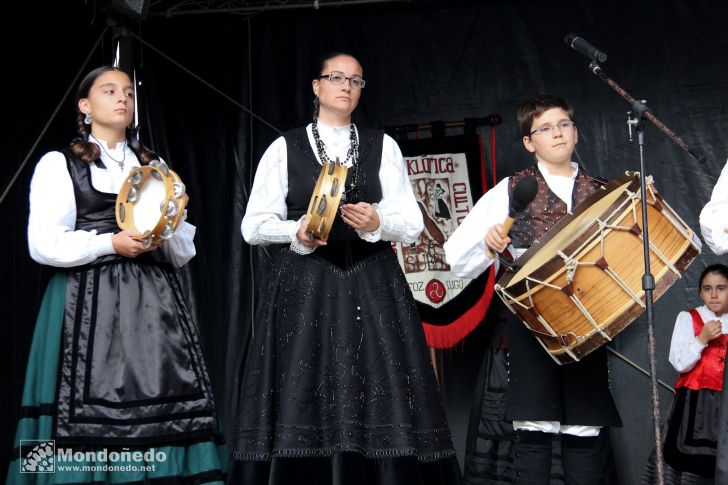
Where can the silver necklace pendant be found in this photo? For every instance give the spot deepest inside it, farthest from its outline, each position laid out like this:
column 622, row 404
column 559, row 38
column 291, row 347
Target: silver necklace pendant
column 120, row 163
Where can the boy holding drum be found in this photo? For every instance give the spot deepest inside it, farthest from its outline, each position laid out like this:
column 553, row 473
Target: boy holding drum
column 543, row 398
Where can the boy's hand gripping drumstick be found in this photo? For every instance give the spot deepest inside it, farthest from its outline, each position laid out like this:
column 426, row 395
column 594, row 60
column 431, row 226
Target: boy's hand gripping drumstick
column 523, row 194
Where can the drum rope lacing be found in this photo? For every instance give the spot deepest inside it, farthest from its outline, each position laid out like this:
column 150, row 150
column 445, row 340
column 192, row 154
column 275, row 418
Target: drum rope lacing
column 571, row 264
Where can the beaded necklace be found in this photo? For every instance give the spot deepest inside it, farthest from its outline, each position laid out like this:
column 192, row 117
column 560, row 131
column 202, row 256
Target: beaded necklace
column 351, row 193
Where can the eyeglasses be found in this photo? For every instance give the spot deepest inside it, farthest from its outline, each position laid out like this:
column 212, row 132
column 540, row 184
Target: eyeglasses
column 549, row 129
column 337, row 78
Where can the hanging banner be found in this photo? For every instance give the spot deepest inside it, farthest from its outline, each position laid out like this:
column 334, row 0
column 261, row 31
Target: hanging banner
column 442, row 189
column 445, row 174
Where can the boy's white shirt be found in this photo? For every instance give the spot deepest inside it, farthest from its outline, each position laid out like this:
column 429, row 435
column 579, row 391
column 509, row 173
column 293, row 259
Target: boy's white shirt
column 466, row 250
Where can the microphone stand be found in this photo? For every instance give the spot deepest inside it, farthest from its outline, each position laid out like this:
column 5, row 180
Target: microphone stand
column 648, row 280
column 636, row 118
column 640, row 107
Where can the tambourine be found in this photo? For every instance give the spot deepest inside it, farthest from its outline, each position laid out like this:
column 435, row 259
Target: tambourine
column 152, row 201
column 324, row 204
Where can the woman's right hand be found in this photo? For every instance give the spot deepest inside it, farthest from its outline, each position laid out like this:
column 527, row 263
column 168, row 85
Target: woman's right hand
column 495, row 239
column 308, row 241
column 710, row 331
column 125, row 245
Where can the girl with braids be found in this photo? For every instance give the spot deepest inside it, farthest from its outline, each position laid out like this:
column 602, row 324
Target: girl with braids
column 115, row 371
column 337, row 387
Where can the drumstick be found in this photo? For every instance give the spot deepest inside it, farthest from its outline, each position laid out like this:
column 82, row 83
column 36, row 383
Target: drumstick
column 523, row 194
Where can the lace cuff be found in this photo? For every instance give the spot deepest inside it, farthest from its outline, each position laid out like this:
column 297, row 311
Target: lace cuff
column 296, row 245
column 376, row 234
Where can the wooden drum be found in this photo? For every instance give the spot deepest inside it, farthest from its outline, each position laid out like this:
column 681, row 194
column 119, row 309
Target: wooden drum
column 581, row 284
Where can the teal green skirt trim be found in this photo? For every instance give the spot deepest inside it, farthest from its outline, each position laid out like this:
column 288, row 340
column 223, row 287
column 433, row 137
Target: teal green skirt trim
column 200, row 462
column 42, row 371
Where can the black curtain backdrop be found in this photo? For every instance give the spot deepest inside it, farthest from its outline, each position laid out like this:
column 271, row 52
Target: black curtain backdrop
column 423, row 61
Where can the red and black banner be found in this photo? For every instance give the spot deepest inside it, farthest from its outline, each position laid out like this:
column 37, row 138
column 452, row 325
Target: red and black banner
column 447, row 176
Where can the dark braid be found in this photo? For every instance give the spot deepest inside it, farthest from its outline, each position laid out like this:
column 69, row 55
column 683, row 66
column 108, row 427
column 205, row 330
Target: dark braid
column 85, row 150
column 88, row 151
column 144, row 154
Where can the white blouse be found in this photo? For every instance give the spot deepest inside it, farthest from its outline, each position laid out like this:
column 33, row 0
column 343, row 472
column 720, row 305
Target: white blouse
column 685, row 347
column 466, row 251
column 266, row 217
column 52, row 238
column 714, row 216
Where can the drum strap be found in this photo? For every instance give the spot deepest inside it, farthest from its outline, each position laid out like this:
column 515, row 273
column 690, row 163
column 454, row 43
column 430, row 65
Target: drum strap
column 507, row 262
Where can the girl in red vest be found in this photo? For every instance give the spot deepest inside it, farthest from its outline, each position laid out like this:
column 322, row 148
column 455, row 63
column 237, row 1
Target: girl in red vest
column 698, row 352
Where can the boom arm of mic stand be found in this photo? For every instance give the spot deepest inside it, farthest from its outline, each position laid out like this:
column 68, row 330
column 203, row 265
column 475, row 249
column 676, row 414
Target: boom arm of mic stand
column 641, row 110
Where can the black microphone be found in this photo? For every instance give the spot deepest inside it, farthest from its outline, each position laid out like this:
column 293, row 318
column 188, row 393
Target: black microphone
column 579, row 44
column 523, row 194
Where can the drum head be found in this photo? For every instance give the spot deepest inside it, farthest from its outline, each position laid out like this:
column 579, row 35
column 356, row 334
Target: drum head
column 568, row 229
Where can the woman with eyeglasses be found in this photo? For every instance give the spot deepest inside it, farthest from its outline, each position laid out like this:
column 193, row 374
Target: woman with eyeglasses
column 337, row 387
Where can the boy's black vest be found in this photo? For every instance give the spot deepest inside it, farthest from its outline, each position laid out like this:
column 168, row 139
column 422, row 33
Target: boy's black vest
column 547, row 208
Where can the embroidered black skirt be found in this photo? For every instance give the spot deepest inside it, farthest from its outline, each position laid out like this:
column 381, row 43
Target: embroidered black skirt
column 338, row 374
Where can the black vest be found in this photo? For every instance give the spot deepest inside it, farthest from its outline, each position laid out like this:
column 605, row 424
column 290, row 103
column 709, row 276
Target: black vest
column 95, row 210
column 304, row 169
